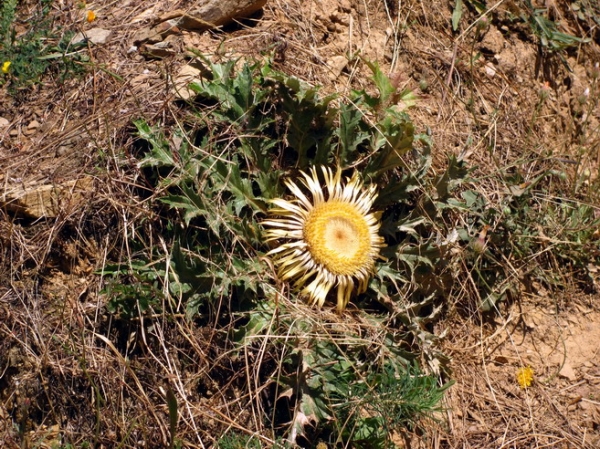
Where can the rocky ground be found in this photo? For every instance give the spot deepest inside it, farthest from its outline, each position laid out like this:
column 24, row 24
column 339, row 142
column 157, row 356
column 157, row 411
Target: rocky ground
column 486, row 91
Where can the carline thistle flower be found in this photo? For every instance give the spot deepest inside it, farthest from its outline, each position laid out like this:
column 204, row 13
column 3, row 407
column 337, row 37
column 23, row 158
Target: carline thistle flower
column 327, row 239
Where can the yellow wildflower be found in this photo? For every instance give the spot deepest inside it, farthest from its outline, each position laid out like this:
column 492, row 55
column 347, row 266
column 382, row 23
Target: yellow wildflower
column 525, row 376
column 90, row 16
column 6, row 66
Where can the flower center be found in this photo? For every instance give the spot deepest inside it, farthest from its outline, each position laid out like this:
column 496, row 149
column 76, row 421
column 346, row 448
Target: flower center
column 338, row 237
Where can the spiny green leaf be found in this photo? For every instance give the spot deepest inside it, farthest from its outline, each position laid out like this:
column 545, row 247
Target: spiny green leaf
column 241, row 187
column 191, row 203
column 351, row 132
column 392, row 139
column 457, row 14
column 371, row 430
column 382, row 82
column 160, row 153
column 260, row 320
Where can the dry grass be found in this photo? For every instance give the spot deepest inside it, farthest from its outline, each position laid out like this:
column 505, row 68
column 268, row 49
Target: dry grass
column 70, row 371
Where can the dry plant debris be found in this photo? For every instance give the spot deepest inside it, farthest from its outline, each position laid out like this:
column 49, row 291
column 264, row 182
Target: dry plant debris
column 514, row 105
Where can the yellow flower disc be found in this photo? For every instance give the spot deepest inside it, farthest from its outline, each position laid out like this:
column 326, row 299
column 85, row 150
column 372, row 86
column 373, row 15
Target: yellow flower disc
column 329, row 238
column 338, row 237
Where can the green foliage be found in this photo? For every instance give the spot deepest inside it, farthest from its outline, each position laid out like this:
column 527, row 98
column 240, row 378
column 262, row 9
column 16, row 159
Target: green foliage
column 548, row 32
column 139, row 293
column 457, row 14
column 233, row 440
column 528, row 236
column 213, row 180
column 342, row 387
column 497, row 248
column 218, row 180
column 588, row 11
column 390, row 400
column 84, row 445
column 37, row 50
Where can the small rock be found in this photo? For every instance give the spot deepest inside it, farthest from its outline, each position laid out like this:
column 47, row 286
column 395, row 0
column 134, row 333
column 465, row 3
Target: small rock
column 155, row 34
column 34, row 124
column 146, row 35
column 62, row 150
column 567, row 372
column 180, row 18
column 572, row 407
column 4, row 122
column 219, row 12
column 49, row 200
column 501, row 360
column 167, row 29
column 345, row 5
column 493, row 41
column 159, row 50
column 94, row 35
column 490, row 70
column 32, row 128
column 337, row 64
column 187, row 75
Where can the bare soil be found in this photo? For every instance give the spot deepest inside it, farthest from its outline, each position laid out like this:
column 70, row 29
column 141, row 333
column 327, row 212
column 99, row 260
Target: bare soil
column 486, row 92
